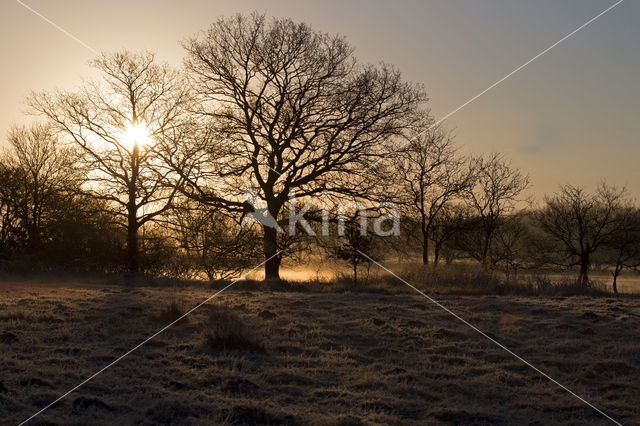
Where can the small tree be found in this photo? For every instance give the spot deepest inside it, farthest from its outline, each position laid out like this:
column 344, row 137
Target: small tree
column 430, row 175
column 353, row 246
column 623, row 249
column 493, row 197
column 582, row 223
column 512, row 248
column 47, row 171
column 37, row 172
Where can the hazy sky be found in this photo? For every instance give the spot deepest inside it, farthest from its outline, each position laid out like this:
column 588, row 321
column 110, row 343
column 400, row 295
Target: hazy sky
column 572, row 116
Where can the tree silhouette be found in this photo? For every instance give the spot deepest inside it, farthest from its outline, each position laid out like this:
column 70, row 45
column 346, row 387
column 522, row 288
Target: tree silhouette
column 582, row 223
column 36, row 172
column 430, row 176
column 136, row 95
column 492, row 198
column 623, row 250
column 295, row 111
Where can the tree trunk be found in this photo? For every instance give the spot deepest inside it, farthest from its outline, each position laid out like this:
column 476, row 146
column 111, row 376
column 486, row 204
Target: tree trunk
column 33, row 237
column 355, row 273
column 584, row 270
column 425, row 242
column 133, row 262
column 616, row 272
column 271, row 255
column 425, row 251
column 484, row 257
column 436, row 255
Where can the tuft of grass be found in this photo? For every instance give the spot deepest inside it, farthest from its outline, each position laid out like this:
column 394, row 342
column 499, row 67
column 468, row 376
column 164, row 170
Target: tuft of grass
column 224, row 330
column 173, row 311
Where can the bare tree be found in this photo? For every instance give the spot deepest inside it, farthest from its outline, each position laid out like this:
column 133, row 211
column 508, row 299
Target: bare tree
column 623, row 248
column 582, row 223
column 431, row 175
column 512, row 248
column 350, row 243
column 37, row 170
column 117, row 123
column 493, row 197
column 297, row 112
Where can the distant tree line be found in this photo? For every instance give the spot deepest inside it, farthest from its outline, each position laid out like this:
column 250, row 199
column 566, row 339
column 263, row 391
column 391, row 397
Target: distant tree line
column 147, row 169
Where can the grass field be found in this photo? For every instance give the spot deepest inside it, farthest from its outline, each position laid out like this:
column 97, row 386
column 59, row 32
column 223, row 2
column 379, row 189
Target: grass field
column 261, row 357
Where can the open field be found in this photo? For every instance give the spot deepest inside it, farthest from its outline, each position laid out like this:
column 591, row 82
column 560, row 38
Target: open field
column 311, row 358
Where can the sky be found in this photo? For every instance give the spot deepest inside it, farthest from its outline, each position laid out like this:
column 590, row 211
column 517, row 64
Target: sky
column 569, row 117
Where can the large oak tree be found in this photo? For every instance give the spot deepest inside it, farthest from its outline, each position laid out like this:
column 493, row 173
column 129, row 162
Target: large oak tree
column 294, row 111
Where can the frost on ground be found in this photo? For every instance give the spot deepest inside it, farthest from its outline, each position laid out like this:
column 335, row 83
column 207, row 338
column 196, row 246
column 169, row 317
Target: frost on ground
column 306, row 358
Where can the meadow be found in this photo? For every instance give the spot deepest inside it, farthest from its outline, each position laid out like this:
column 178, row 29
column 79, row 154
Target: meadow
column 256, row 356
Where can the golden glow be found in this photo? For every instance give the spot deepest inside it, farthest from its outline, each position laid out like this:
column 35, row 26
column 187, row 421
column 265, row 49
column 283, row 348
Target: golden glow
column 137, row 135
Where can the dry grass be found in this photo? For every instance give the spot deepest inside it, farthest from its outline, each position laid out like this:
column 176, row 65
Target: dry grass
column 460, row 281
column 328, row 359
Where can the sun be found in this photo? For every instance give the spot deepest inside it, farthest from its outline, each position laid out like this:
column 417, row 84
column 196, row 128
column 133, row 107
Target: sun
column 137, row 135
